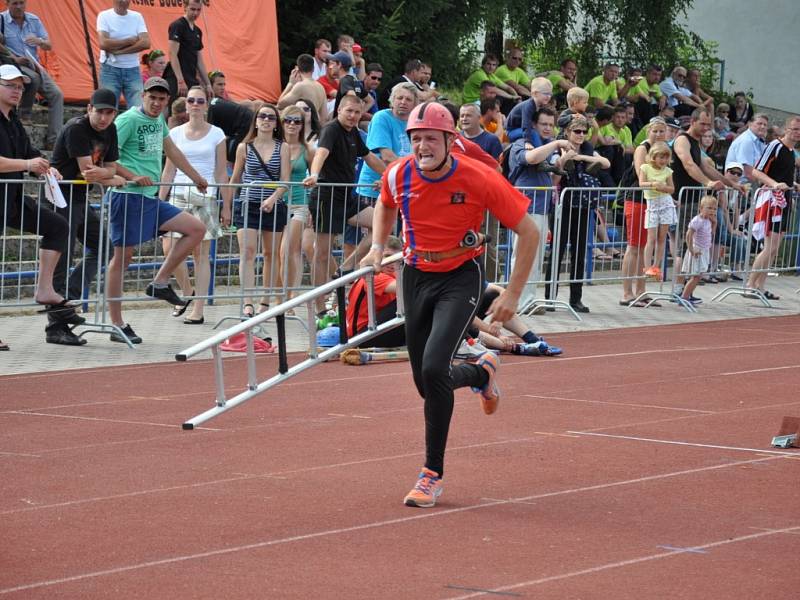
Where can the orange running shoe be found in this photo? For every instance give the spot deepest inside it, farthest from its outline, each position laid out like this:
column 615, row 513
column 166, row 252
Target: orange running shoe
column 653, row 272
column 427, row 489
column 490, row 393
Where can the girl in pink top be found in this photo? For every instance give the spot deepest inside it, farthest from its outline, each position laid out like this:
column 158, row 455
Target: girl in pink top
column 699, row 236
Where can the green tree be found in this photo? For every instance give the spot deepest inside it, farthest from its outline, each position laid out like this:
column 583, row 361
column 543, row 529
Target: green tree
column 443, row 31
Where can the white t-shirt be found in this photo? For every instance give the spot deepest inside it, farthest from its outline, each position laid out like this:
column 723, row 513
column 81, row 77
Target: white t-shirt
column 201, row 154
column 118, row 27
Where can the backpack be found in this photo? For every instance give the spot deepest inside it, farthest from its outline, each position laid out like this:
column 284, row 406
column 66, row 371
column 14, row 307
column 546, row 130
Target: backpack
column 629, row 179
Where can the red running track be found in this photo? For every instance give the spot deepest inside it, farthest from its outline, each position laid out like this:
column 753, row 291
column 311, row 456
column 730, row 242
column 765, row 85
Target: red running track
column 638, row 463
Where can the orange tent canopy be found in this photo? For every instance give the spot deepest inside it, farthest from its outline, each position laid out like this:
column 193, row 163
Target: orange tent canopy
column 240, row 39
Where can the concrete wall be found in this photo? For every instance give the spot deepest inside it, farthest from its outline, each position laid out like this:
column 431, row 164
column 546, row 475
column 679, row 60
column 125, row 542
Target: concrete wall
column 760, row 43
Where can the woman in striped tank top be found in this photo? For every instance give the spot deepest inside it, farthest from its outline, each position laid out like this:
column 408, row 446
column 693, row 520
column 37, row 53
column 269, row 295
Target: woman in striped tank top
column 261, row 158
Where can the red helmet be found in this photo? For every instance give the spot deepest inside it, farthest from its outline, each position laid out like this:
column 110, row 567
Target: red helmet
column 431, row 115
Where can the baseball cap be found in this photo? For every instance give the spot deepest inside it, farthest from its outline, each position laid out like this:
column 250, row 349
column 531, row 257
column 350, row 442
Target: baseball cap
column 156, row 82
column 103, row 98
column 734, row 165
column 10, row 72
column 673, row 122
column 357, row 48
column 343, row 58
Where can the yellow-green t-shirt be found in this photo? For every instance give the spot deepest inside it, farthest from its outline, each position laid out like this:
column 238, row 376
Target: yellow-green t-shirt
column 623, row 135
column 598, row 88
column 646, row 89
column 655, row 175
column 472, row 86
column 642, row 135
column 516, row 75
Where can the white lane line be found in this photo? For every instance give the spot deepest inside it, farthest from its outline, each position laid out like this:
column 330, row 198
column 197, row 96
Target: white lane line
column 629, row 562
column 770, row 529
column 378, row 524
column 692, row 444
column 20, row 454
column 674, row 419
column 631, row 404
column 761, row 370
column 120, row 421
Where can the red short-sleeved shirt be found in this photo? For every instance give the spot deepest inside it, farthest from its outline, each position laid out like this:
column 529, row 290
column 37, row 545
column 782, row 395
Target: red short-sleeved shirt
column 382, row 299
column 462, row 145
column 437, row 213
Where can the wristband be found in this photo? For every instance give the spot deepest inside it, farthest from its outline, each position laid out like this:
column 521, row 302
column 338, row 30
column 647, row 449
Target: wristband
column 28, row 165
column 376, row 247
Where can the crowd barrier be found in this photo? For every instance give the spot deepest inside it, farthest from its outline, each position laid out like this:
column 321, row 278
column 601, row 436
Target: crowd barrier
column 268, row 257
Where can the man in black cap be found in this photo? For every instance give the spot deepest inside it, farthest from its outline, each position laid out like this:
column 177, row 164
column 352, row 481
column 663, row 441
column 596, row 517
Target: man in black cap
column 86, row 149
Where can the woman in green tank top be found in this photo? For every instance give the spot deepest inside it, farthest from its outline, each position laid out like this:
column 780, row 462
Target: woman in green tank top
column 295, row 238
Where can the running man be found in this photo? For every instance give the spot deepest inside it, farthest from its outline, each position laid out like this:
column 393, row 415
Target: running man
column 443, row 200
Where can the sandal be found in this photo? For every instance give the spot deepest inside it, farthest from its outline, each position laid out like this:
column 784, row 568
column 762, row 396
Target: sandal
column 4, row 346
column 648, row 302
column 179, row 310
column 62, row 307
column 248, row 314
column 770, row 296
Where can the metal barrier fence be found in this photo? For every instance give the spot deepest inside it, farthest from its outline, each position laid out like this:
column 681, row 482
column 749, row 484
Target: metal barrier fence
column 259, row 262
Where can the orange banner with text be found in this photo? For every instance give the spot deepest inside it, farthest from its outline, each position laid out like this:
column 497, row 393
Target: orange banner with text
column 240, row 39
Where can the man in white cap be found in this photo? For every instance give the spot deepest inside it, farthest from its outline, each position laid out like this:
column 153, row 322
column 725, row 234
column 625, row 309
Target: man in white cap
column 17, row 157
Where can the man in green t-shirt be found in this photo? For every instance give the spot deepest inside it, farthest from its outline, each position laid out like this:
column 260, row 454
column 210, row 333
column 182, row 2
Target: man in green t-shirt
column 603, row 89
column 617, row 143
column 512, row 74
column 472, row 85
column 136, row 213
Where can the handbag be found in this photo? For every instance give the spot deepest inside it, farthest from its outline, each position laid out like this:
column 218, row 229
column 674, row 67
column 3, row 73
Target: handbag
column 191, row 196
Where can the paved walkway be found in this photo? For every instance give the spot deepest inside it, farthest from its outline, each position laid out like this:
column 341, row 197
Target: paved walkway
column 164, row 335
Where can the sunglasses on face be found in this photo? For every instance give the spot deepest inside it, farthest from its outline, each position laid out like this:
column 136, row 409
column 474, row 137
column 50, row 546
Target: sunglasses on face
column 579, row 131
column 374, row 78
column 293, row 120
column 199, row 101
column 735, row 172
column 267, row 116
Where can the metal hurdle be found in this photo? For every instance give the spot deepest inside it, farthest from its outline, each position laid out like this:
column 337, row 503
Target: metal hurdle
column 254, row 387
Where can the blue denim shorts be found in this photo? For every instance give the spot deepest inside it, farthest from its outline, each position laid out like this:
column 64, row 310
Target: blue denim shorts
column 136, row 218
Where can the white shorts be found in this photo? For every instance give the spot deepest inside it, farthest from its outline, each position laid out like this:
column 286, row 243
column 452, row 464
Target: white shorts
column 695, row 265
column 301, row 213
column 660, row 211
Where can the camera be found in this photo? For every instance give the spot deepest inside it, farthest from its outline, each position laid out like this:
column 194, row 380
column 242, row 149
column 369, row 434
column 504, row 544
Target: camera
column 472, row 239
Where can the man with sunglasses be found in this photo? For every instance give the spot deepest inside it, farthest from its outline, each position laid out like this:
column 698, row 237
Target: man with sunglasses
column 303, row 86
column 372, row 82
column 512, row 74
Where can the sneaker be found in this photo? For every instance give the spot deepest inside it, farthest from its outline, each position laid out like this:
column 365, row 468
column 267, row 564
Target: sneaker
column 128, row 331
column 166, row 293
column 540, row 348
column 653, row 272
column 694, row 300
column 471, row 348
column 490, row 393
column 427, row 489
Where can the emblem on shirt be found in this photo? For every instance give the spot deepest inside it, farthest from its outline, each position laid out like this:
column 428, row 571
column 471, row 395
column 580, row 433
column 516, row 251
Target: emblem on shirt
column 458, row 198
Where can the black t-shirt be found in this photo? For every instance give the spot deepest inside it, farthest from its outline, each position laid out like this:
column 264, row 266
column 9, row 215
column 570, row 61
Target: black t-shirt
column 14, row 143
column 344, row 147
column 349, row 83
column 777, row 161
column 191, row 42
column 680, row 177
column 234, row 120
column 78, row 138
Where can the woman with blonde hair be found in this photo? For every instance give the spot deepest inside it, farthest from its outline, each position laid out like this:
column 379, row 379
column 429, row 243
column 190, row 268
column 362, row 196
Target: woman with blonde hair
column 301, row 154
